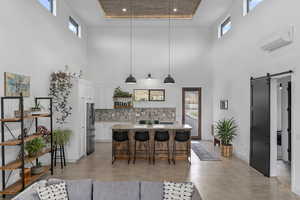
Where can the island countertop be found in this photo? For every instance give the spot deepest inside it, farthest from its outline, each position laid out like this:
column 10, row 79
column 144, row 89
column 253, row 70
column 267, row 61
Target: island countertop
column 129, row 126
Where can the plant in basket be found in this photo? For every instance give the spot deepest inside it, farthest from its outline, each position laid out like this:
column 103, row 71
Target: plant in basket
column 226, row 131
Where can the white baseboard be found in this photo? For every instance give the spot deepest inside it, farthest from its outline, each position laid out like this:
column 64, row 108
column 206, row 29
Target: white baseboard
column 296, row 190
column 103, row 140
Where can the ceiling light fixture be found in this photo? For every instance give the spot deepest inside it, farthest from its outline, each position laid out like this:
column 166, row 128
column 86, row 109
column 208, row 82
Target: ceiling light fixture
column 130, row 79
column 149, row 77
column 169, row 79
column 175, row 10
column 124, row 9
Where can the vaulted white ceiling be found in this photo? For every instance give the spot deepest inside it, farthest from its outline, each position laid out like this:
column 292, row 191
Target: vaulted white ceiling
column 92, row 14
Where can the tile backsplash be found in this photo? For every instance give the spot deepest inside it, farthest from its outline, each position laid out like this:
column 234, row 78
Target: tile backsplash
column 136, row 114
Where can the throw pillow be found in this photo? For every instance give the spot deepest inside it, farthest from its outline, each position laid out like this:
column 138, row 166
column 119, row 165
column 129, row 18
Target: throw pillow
column 178, row 191
column 53, row 192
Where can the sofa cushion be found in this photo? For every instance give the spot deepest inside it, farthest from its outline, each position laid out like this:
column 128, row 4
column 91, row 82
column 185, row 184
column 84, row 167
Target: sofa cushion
column 115, row 190
column 77, row 189
column 53, row 192
column 151, row 190
column 30, row 192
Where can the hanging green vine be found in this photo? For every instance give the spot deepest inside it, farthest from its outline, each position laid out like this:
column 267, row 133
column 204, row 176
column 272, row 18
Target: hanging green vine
column 60, row 89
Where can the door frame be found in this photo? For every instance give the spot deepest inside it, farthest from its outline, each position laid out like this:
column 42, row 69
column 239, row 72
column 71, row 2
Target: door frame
column 199, row 90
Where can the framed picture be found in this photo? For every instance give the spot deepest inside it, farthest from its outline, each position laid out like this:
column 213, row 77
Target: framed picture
column 224, row 104
column 15, row 84
column 157, row 95
column 141, row 95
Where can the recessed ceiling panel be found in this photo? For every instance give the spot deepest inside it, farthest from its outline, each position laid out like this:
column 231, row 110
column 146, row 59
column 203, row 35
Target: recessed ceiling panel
column 182, row 9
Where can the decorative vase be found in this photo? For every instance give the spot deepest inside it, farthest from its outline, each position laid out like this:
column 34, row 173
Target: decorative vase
column 226, row 150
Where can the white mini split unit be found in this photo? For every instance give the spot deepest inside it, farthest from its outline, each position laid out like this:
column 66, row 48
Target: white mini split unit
column 278, row 40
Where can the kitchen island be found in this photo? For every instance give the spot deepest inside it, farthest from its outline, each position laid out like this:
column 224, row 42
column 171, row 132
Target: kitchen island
column 132, row 128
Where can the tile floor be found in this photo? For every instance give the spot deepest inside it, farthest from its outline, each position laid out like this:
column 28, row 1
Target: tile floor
column 229, row 179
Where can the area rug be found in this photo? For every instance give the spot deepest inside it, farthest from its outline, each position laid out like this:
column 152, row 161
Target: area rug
column 203, row 154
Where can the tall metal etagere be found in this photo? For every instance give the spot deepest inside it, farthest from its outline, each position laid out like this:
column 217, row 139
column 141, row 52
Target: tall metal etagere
column 21, row 140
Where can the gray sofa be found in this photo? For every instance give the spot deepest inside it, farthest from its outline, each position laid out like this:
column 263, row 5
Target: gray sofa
column 96, row 190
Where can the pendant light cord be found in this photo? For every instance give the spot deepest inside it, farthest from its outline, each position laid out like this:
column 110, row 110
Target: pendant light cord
column 131, row 37
column 169, row 36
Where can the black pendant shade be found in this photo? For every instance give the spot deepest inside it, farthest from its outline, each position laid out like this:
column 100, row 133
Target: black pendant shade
column 169, row 79
column 130, row 80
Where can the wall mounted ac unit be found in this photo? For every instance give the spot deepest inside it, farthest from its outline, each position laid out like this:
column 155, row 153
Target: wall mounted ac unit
column 278, row 40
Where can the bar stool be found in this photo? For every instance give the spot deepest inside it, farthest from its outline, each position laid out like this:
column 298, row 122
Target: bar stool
column 162, row 137
column 61, row 151
column 120, row 137
column 142, row 137
column 182, row 137
column 142, row 122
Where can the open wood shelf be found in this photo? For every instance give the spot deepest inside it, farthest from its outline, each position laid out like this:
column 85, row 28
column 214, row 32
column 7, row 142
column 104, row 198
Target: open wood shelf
column 18, row 163
column 19, row 141
column 18, row 186
column 22, row 159
column 17, row 119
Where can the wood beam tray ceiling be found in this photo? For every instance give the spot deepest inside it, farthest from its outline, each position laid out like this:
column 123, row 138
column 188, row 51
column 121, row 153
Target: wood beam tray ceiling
column 180, row 9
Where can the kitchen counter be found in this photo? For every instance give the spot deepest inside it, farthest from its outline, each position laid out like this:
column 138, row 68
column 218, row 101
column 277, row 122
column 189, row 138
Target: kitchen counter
column 161, row 146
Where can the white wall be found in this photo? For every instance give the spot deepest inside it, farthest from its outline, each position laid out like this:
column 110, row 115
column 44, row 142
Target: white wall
column 109, row 61
column 36, row 43
column 237, row 56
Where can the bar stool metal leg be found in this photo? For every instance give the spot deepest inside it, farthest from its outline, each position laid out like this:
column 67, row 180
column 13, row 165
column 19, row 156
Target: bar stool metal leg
column 154, row 153
column 61, row 157
column 168, row 152
column 64, row 155
column 134, row 152
column 174, row 152
column 128, row 151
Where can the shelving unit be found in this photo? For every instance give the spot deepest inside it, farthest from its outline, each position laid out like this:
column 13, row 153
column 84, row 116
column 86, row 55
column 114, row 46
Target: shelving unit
column 20, row 162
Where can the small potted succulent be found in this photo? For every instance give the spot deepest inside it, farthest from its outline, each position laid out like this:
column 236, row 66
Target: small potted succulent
column 37, row 169
column 34, row 147
column 226, row 131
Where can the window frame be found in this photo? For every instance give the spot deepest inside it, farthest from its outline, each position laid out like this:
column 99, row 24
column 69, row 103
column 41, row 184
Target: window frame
column 149, row 95
column 223, row 24
column 248, row 6
column 75, row 24
column 158, row 90
column 52, row 4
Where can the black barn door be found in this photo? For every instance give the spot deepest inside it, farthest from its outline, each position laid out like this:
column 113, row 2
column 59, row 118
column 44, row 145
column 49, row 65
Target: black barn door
column 260, row 125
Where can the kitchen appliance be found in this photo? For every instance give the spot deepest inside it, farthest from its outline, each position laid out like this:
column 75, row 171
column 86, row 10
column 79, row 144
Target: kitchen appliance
column 90, row 128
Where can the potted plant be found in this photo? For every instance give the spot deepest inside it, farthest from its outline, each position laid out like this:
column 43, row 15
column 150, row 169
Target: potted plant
column 37, row 169
column 61, row 136
column 226, row 131
column 34, row 146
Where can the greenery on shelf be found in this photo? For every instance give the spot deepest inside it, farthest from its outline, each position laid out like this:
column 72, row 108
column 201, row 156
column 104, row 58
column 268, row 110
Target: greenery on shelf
column 119, row 93
column 61, row 136
column 34, row 146
column 226, row 129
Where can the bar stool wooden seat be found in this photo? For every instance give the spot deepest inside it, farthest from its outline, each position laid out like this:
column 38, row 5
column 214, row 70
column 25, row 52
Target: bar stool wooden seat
column 142, row 137
column 161, row 137
column 120, row 137
column 182, row 137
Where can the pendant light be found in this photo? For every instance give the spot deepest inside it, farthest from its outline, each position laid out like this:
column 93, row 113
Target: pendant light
column 131, row 79
column 169, row 79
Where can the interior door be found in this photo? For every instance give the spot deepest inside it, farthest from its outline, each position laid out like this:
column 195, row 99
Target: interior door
column 191, row 110
column 289, row 130
column 260, row 125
